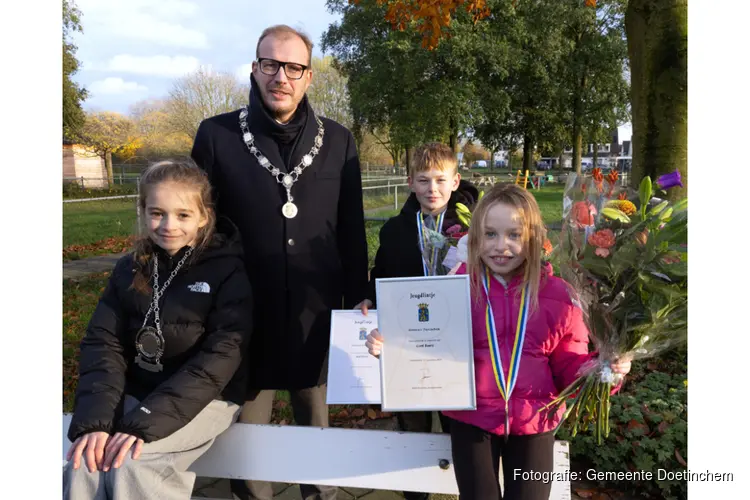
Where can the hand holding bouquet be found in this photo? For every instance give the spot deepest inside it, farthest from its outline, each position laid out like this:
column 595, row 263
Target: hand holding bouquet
column 625, row 255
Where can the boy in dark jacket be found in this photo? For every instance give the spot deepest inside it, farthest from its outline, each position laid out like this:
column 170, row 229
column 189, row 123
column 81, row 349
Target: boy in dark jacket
column 436, row 188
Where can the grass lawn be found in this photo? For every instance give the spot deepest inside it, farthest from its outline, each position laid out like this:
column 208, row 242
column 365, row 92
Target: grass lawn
column 87, row 222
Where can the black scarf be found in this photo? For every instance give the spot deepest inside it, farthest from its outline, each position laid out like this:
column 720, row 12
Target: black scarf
column 286, row 136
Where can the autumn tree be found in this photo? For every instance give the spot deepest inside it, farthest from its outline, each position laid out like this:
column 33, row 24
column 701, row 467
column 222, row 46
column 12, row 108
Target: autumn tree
column 394, row 84
column 202, row 94
column 657, row 49
column 105, row 133
column 158, row 138
column 475, row 152
column 73, row 93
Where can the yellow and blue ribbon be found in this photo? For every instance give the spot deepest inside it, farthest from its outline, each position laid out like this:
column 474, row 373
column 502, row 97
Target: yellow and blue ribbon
column 422, row 240
column 505, row 385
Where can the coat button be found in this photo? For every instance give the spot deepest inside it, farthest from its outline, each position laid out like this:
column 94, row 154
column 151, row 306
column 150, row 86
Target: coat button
column 291, row 242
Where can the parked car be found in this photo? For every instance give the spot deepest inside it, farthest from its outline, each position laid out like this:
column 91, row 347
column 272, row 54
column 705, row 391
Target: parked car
column 543, row 165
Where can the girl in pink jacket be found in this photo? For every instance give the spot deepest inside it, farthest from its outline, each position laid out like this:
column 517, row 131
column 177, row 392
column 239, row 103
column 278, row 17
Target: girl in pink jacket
column 530, row 341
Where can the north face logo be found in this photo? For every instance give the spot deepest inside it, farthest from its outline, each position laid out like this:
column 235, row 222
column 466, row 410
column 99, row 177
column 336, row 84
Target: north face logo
column 199, row 286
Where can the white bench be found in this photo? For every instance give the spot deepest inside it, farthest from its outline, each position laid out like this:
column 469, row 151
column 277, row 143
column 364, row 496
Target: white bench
column 369, row 459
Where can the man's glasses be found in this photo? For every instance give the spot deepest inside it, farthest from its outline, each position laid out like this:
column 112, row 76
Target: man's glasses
column 270, row 67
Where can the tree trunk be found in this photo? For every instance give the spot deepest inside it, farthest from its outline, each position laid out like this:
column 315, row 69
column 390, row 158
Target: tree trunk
column 577, row 145
column 408, row 159
column 657, row 48
column 108, row 165
column 453, row 140
column 528, row 147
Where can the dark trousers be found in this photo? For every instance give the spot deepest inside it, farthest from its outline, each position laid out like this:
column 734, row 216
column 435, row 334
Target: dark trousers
column 309, row 409
column 476, row 460
column 419, row 421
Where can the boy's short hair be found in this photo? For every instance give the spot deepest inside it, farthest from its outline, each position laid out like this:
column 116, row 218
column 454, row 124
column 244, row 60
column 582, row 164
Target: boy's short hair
column 433, row 155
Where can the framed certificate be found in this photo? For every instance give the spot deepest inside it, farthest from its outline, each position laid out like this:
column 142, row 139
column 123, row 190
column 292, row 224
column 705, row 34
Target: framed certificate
column 353, row 374
column 427, row 360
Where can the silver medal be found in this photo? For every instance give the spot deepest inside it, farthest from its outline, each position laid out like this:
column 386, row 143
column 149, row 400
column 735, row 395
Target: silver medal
column 289, row 210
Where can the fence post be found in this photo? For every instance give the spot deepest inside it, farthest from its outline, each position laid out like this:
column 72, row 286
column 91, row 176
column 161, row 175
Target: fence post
column 395, row 197
column 82, row 185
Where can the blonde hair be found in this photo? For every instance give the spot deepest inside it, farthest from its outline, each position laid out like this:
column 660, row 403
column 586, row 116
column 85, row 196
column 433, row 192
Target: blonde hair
column 186, row 173
column 282, row 31
column 534, row 234
column 433, row 155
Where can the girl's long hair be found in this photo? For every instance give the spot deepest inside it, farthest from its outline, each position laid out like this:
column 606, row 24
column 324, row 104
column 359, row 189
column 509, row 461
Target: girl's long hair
column 534, row 234
column 187, row 174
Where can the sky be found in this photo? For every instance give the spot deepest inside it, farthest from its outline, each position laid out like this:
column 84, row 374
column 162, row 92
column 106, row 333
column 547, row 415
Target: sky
column 132, row 50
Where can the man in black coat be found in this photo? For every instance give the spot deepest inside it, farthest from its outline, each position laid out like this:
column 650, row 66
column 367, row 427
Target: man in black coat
column 291, row 182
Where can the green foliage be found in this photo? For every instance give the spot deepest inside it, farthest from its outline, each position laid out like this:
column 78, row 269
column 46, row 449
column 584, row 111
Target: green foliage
column 73, row 94
column 648, row 424
column 395, row 85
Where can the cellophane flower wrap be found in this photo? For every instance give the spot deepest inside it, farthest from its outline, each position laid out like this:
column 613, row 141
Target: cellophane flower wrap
column 441, row 251
column 625, row 255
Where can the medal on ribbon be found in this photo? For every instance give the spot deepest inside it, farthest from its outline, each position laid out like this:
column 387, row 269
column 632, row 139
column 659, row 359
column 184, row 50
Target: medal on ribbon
column 505, row 385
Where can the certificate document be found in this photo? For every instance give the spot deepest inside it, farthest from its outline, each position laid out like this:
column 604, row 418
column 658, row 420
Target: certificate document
column 353, row 375
column 427, row 361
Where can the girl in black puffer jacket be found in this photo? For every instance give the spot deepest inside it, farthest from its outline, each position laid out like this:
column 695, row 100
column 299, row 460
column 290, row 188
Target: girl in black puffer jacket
column 161, row 370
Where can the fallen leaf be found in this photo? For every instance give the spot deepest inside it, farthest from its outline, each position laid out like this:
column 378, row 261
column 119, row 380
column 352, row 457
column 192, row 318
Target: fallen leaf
column 358, row 412
column 361, row 422
column 343, row 414
column 634, row 424
column 679, row 458
column 386, row 414
column 372, row 414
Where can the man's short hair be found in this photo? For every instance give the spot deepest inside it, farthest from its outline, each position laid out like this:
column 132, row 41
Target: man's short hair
column 433, row 155
column 283, row 31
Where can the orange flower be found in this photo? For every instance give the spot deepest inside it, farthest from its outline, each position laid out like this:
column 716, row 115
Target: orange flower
column 612, row 176
column 583, row 213
column 625, row 206
column 603, row 240
column 547, row 247
column 622, row 196
column 597, row 174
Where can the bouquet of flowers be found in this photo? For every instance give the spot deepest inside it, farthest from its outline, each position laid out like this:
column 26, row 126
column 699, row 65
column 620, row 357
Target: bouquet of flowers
column 625, row 255
column 441, row 251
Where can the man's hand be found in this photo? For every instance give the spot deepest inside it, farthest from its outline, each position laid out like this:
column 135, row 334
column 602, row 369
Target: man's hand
column 364, row 306
column 93, row 444
column 374, row 343
column 118, row 447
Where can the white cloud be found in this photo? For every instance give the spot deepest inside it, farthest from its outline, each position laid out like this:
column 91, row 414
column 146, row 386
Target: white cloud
column 152, row 65
column 145, row 20
column 113, row 85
